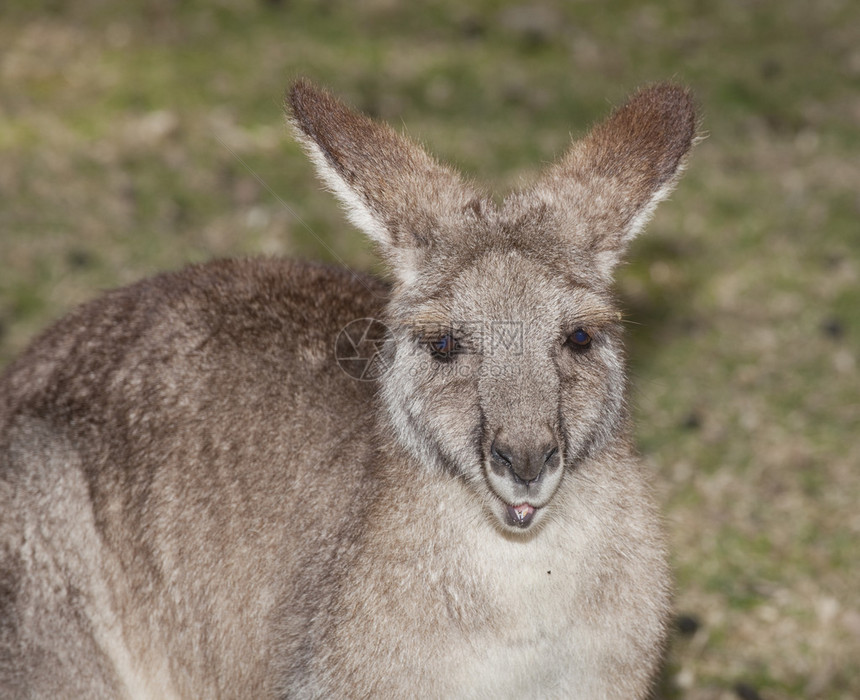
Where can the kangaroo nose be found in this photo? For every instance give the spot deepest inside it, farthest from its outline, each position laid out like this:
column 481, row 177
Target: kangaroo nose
column 525, row 462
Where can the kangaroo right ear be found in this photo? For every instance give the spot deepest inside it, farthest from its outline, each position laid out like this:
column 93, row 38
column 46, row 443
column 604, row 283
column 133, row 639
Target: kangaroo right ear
column 390, row 187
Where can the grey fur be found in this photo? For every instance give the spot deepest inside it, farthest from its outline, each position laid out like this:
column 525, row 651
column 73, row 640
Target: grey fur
column 197, row 501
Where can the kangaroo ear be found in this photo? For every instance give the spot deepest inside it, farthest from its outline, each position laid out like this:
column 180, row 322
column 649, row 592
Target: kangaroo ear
column 607, row 186
column 390, row 187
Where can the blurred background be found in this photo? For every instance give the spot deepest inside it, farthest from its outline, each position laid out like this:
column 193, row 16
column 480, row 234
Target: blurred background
column 139, row 136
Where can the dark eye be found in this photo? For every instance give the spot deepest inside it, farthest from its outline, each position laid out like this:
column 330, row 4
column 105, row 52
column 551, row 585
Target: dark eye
column 579, row 339
column 444, row 347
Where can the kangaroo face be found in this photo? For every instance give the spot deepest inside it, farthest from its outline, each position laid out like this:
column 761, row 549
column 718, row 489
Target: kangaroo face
column 506, row 366
column 506, row 372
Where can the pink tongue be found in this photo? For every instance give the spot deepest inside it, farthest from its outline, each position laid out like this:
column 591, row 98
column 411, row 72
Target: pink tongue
column 521, row 514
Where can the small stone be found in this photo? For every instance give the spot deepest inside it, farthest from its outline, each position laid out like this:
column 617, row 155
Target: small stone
column 693, row 421
column 833, row 328
column 79, row 258
column 746, row 692
column 687, row 625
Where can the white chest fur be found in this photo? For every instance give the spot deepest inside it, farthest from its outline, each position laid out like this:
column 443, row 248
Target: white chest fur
column 536, row 640
column 471, row 613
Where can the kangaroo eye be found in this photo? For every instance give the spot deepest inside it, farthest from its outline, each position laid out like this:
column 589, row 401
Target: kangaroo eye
column 579, row 339
column 444, row 347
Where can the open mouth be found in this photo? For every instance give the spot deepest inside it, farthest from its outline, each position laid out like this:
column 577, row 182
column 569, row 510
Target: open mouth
column 521, row 515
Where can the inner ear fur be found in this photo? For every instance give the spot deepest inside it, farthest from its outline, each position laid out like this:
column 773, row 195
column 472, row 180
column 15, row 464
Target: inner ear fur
column 391, row 188
column 607, row 185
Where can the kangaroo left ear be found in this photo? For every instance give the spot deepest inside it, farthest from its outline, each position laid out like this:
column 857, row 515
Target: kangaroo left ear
column 608, row 184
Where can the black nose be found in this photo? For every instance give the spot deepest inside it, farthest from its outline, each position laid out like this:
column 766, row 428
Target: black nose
column 525, row 462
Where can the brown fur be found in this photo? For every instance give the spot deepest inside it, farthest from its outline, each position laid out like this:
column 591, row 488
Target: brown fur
column 197, row 501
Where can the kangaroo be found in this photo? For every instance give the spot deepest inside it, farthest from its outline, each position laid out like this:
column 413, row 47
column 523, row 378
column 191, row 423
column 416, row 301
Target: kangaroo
column 268, row 478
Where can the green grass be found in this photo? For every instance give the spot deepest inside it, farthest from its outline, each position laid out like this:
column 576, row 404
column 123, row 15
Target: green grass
column 136, row 137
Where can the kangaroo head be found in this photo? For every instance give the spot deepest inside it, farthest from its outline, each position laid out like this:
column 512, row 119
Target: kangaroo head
column 505, row 362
